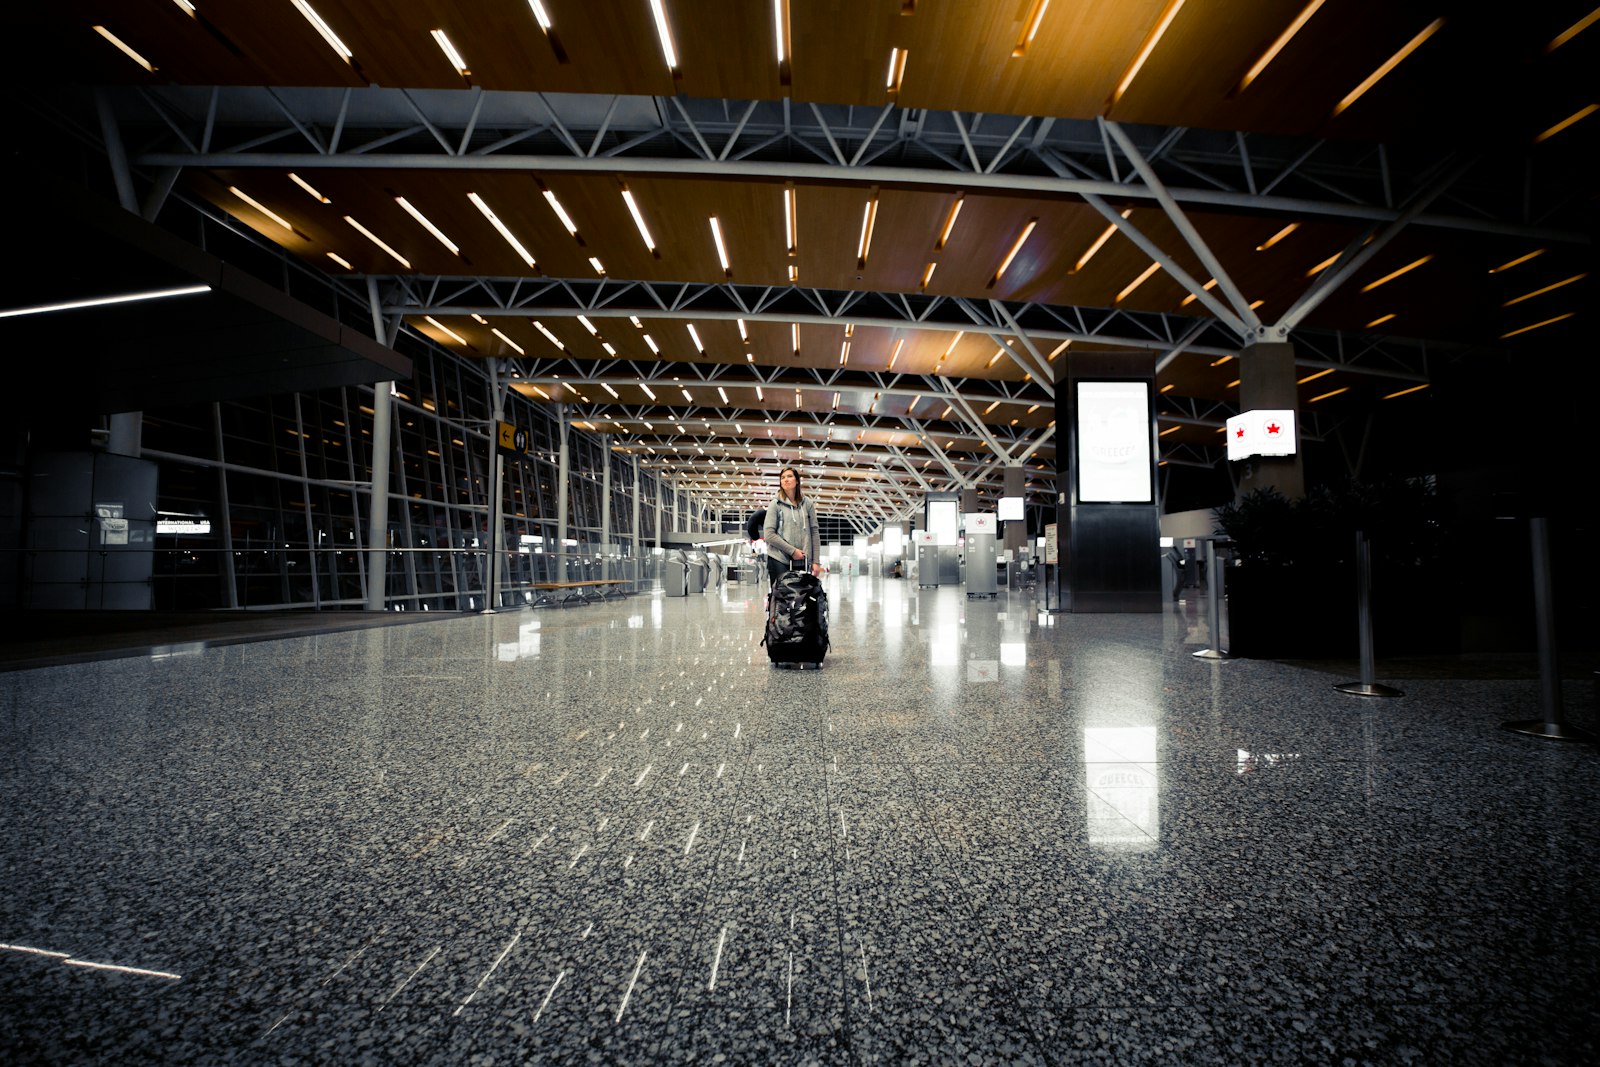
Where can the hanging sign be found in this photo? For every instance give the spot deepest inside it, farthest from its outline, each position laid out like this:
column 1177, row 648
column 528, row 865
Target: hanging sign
column 1261, row 433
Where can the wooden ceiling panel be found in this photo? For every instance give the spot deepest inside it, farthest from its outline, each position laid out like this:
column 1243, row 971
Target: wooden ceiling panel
column 961, row 56
column 841, row 49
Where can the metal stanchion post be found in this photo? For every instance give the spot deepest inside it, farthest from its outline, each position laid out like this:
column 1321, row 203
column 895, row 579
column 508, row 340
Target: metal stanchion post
column 1214, row 583
column 1367, row 686
column 1544, row 610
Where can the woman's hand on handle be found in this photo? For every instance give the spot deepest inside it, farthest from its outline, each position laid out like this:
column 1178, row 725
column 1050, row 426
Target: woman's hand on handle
column 799, row 553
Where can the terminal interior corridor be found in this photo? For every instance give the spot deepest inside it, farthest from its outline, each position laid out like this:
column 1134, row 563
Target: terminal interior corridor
column 612, row 833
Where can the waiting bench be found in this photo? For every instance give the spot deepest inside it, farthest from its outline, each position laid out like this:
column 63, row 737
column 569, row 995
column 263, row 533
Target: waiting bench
column 582, row 592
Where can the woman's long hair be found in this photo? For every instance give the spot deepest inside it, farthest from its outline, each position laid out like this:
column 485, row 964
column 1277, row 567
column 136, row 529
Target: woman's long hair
column 799, row 494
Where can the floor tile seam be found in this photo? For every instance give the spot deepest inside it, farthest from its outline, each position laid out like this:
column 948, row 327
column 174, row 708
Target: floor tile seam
column 830, row 808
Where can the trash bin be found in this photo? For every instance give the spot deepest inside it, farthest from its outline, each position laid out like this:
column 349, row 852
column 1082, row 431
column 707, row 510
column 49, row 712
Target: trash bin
column 697, row 568
column 675, row 573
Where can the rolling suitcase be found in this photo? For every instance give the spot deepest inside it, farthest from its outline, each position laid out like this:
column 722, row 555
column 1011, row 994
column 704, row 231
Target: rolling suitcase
column 797, row 621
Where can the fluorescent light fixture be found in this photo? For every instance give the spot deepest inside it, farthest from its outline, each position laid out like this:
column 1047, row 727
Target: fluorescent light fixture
column 1583, row 113
column 1032, row 409
column 1029, row 28
column 1546, row 289
column 1388, row 65
column 1220, row 362
column 897, row 67
column 515, row 347
column 1314, row 377
column 791, row 224
column 794, row 273
column 1015, row 248
column 1140, row 280
column 651, row 341
column 665, row 33
column 869, row 215
column 722, row 250
column 951, row 347
column 375, row 239
column 541, row 392
column 759, row 394
column 561, row 213
column 1098, row 242
column 647, row 392
column 1403, row 392
column 268, row 212
column 323, row 28
column 302, row 183
column 723, row 393
column 552, row 338
column 1392, row 275
column 895, row 355
column 1324, row 265
column 780, row 28
column 995, row 358
column 1325, row 396
column 991, row 407
column 687, row 398
column 430, row 227
column 99, row 301
column 1277, row 46
column 188, row 8
column 436, row 324
column 744, row 334
column 607, row 387
column 797, row 407
column 125, row 49
column 1191, row 298
column 1149, row 46
column 1572, row 31
column 1060, row 348
column 539, row 15
column 337, row 258
column 695, row 337
column 479, row 319
column 794, row 336
column 1536, row 325
column 1517, row 262
column 494, row 220
column 835, row 404
column 949, row 221
column 587, row 325
column 607, row 346
column 638, row 219
column 450, row 52
column 1170, row 429
column 1281, row 234
column 636, row 323
column 844, row 353
column 914, row 402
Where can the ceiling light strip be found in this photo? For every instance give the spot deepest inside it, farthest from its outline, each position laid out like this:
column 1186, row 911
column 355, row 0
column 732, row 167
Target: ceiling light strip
column 638, row 220
column 324, row 29
column 1277, row 46
column 516, row 347
column 436, row 324
column 99, row 301
column 1404, row 392
column 1389, row 65
column 1029, row 28
column 1546, row 289
column 450, row 53
column 1149, row 46
column 125, row 49
column 268, row 212
column 494, row 220
column 1140, row 280
column 1392, row 275
column 1015, row 248
column 664, row 32
column 1535, row 326
column 1572, row 31
column 722, row 249
column 1564, row 123
column 302, row 183
column 375, row 239
column 430, row 227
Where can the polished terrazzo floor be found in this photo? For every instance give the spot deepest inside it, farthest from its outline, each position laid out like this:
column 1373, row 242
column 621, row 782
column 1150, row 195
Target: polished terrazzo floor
column 612, row 834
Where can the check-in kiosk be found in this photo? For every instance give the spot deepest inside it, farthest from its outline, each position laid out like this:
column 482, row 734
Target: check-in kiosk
column 981, row 532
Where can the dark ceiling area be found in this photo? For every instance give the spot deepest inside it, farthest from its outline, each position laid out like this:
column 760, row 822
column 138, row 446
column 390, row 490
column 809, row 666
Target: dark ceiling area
column 237, row 336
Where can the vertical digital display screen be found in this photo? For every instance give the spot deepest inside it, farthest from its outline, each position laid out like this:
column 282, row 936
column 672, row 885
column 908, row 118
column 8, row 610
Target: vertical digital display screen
column 1114, row 443
column 944, row 521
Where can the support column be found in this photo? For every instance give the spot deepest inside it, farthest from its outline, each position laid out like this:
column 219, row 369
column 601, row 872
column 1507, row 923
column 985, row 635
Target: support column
column 638, row 540
column 126, row 436
column 378, row 494
column 1267, row 380
column 563, row 475
column 605, row 505
column 497, row 487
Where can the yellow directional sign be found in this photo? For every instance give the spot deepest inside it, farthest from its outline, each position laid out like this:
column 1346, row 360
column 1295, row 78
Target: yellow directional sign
column 512, row 440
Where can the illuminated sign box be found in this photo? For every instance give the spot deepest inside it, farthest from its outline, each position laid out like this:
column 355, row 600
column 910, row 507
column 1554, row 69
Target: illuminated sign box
column 1011, row 509
column 1261, row 433
column 1114, row 442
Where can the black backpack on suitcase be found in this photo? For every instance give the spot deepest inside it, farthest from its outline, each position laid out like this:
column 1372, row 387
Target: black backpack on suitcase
column 797, row 621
